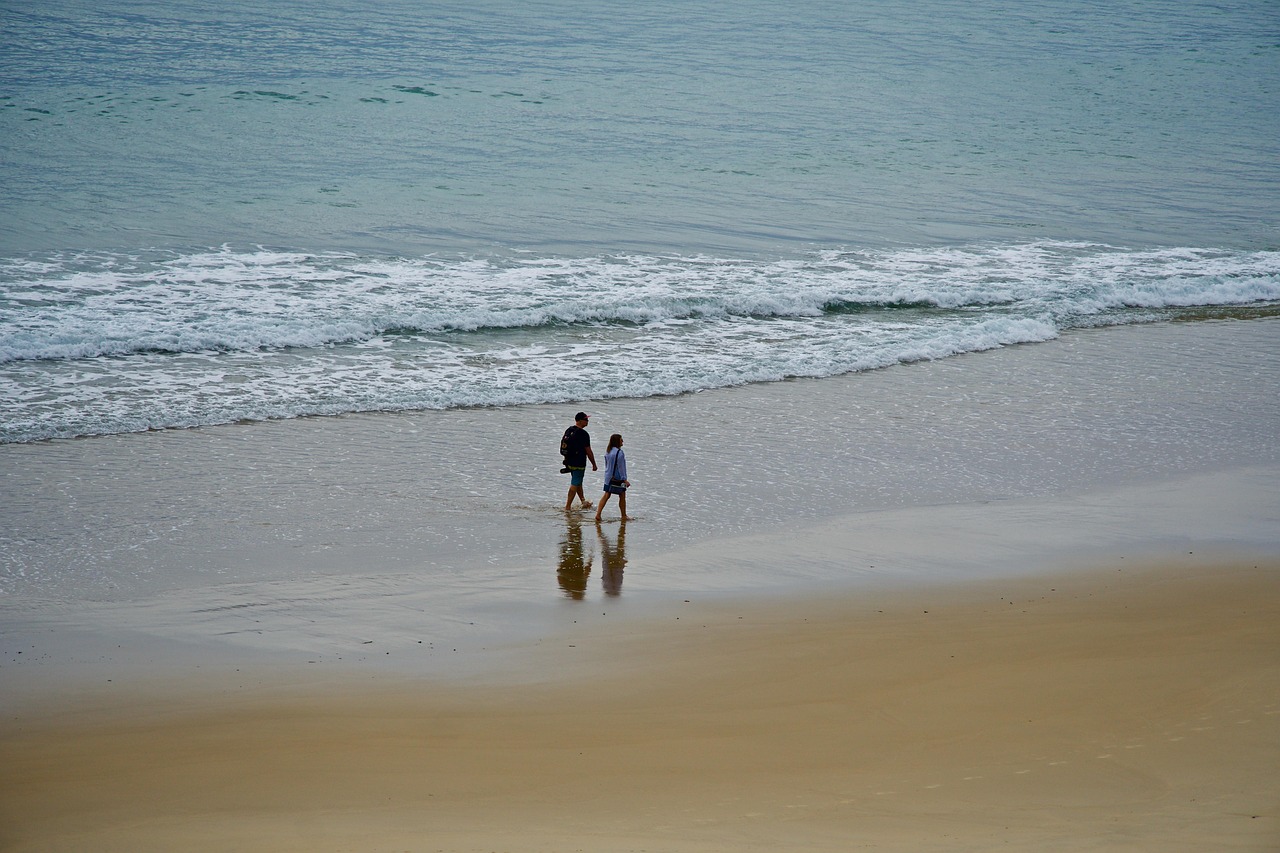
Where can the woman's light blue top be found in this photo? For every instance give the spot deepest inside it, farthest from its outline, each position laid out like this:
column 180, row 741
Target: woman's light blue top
column 615, row 466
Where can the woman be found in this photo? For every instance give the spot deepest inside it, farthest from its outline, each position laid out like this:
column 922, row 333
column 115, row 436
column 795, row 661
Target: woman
column 615, row 476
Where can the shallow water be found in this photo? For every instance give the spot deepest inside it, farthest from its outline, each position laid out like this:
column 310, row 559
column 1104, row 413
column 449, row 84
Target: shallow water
column 449, row 494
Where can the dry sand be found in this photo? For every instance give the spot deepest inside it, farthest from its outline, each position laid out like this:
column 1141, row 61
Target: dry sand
column 1127, row 708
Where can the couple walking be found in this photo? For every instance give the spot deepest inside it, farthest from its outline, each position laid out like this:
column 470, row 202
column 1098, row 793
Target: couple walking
column 576, row 447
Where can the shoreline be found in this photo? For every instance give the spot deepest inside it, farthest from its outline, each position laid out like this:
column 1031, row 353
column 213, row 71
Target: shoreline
column 460, row 494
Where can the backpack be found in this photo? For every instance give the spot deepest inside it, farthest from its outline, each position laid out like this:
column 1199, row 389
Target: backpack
column 564, row 441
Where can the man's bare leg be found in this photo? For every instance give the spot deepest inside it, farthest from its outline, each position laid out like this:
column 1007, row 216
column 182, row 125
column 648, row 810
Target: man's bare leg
column 576, row 490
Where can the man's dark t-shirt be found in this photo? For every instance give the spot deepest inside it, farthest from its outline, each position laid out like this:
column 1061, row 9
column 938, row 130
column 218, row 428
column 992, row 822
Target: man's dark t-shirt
column 578, row 442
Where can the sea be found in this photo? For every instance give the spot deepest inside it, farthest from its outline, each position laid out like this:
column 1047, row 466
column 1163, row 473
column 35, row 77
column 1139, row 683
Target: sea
column 243, row 212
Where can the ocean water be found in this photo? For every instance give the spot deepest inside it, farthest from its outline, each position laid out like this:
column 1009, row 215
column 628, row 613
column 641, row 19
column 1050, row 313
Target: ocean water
column 212, row 213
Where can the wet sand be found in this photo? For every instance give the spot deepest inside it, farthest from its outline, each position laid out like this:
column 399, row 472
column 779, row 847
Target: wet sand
column 1126, row 708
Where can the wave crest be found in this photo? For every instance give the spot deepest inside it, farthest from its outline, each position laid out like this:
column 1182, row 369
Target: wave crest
column 228, row 301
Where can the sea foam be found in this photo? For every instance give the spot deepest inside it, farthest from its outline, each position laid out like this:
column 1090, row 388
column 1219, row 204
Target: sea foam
column 110, row 343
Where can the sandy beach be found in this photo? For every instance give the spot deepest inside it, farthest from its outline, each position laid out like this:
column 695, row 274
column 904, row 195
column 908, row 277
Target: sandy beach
column 1004, row 645
column 1128, row 708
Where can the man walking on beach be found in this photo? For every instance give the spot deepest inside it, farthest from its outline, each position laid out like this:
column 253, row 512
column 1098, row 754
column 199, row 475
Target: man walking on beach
column 577, row 444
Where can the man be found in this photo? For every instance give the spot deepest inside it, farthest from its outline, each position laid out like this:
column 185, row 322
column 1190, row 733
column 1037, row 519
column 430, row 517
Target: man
column 577, row 444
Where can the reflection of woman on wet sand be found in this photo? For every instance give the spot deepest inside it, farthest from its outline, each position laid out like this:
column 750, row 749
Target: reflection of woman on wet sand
column 613, row 558
column 615, row 476
column 574, row 569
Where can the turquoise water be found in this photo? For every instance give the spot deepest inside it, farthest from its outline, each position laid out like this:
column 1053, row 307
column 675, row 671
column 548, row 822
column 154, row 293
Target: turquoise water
column 409, row 127
column 211, row 213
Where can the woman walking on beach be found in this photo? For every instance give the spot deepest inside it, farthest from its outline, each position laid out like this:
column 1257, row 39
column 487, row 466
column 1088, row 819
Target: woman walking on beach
column 615, row 476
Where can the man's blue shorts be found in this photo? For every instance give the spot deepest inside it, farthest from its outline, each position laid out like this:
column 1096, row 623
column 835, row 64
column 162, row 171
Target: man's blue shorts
column 576, row 475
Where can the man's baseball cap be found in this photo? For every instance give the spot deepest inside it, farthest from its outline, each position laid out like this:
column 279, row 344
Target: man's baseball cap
column 581, row 416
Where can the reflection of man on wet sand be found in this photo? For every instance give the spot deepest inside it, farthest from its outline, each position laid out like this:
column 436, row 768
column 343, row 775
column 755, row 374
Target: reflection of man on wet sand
column 575, row 566
column 613, row 558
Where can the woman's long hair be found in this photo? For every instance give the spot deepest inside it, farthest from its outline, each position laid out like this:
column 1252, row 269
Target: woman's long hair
column 615, row 440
